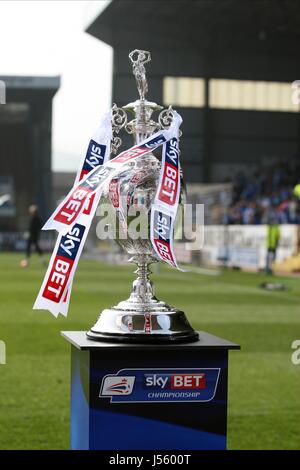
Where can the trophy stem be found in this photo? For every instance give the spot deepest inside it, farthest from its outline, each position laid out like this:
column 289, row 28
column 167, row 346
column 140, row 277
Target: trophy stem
column 143, row 272
column 142, row 288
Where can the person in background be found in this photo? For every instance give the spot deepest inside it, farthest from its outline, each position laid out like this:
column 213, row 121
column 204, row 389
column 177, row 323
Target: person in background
column 33, row 235
column 273, row 237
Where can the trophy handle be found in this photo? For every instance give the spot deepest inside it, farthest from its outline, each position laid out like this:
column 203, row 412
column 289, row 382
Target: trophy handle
column 118, row 121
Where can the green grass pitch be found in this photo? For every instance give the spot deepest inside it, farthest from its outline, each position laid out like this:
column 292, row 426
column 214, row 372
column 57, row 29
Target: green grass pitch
column 264, row 385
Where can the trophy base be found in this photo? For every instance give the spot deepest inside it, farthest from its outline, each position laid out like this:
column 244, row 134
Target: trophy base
column 142, row 318
column 143, row 339
column 116, row 325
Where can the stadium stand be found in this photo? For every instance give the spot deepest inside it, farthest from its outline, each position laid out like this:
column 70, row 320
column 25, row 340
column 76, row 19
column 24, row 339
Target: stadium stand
column 265, row 194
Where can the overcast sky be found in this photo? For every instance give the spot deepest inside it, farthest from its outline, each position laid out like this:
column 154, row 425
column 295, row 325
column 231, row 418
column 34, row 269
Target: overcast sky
column 47, row 38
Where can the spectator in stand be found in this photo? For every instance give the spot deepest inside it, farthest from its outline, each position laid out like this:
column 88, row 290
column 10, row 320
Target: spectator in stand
column 249, row 213
column 292, row 212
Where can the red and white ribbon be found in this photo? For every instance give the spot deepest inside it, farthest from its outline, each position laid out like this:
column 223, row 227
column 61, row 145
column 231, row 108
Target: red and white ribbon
column 72, row 206
column 56, row 288
column 165, row 206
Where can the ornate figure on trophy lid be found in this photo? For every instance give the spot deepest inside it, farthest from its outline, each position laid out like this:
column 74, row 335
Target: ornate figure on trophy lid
column 138, row 187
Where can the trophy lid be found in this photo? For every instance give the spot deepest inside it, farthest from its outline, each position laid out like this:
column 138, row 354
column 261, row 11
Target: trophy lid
column 135, row 105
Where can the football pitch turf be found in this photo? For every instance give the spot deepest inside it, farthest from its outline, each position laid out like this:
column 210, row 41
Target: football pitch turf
column 264, row 385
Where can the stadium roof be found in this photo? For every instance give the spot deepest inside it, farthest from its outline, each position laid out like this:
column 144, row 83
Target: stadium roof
column 14, row 82
column 27, row 88
column 239, row 24
column 258, row 28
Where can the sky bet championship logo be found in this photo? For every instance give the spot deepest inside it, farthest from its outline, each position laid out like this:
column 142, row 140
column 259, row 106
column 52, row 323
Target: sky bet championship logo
column 156, row 385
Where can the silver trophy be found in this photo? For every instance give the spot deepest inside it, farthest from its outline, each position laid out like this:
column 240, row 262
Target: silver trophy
column 142, row 317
